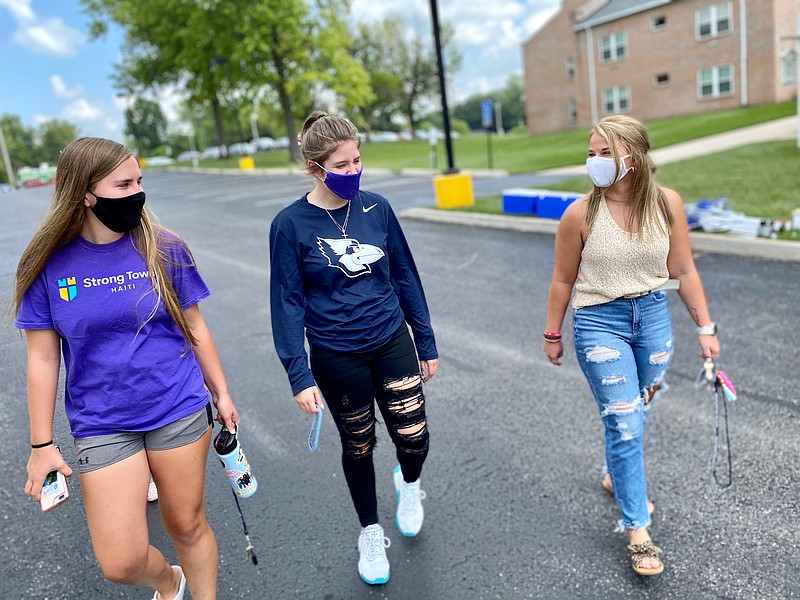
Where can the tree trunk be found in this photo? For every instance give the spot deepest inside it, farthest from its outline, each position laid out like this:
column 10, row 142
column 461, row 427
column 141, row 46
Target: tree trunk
column 219, row 127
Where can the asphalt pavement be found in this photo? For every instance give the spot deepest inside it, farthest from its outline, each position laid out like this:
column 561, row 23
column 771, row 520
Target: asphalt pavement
column 514, row 507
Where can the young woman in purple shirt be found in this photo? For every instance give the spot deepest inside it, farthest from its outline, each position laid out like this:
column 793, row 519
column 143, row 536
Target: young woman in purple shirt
column 117, row 295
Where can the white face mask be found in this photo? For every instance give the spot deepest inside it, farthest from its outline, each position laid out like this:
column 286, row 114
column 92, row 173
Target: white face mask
column 603, row 171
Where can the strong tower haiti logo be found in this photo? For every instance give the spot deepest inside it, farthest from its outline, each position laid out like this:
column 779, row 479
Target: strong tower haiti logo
column 67, row 289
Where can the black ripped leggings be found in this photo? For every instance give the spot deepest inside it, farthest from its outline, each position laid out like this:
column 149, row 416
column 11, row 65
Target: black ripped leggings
column 349, row 382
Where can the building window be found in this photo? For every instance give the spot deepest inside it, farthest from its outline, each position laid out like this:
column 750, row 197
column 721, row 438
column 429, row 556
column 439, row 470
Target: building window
column 572, row 110
column 662, row 79
column 788, row 67
column 613, row 47
column 569, row 65
column 616, row 99
column 713, row 20
column 715, row 82
column 658, row 23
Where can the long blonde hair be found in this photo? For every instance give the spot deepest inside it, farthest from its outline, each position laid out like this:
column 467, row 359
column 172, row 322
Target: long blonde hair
column 650, row 207
column 82, row 164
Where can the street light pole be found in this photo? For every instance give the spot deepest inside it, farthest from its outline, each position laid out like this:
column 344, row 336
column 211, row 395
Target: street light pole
column 7, row 160
column 448, row 143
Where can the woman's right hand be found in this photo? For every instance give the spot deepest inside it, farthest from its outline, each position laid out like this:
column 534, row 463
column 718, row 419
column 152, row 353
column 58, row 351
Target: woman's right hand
column 40, row 463
column 554, row 351
column 309, row 399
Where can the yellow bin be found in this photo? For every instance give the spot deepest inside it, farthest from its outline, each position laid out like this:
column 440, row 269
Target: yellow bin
column 246, row 163
column 453, row 190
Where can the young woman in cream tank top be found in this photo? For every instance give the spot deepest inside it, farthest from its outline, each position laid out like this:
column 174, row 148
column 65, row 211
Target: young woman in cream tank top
column 619, row 248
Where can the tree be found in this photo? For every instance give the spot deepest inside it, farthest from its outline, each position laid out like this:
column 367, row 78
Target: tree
column 146, row 124
column 223, row 53
column 53, row 136
column 401, row 61
column 512, row 98
column 20, row 142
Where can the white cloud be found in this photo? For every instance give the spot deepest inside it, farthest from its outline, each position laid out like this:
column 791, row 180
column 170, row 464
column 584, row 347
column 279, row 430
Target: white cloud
column 82, row 110
column 39, row 119
column 49, row 37
column 20, row 9
column 61, row 89
column 489, row 35
column 95, row 119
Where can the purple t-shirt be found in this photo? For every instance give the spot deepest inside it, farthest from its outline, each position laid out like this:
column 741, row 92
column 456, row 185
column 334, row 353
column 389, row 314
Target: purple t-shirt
column 124, row 372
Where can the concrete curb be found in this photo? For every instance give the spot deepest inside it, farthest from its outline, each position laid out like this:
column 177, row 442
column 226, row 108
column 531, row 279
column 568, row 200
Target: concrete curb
column 701, row 242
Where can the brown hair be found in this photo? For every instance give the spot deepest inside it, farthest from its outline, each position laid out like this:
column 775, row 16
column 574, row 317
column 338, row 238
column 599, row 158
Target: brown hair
column 322, row 134
column 81, row 165
column 651, row 209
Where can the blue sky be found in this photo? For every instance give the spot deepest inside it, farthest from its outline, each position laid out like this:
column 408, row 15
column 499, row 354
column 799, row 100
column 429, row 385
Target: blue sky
column 50, row 69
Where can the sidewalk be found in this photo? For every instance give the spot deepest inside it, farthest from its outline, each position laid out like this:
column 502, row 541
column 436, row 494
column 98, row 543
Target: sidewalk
column 780, row 129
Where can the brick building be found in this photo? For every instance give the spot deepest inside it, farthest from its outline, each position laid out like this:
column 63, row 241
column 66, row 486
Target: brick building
column 658, row 58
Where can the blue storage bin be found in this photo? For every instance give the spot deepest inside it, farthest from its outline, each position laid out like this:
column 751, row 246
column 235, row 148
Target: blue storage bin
column 519, row 201
column 553, row 204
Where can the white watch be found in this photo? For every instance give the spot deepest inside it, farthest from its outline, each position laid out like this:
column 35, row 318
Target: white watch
column 707, row 329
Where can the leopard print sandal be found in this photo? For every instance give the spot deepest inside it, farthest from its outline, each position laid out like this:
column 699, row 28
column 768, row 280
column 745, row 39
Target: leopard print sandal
column 639, row 552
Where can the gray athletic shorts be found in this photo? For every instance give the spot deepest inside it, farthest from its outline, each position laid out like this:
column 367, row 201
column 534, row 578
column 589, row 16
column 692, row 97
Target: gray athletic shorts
column 98, row 451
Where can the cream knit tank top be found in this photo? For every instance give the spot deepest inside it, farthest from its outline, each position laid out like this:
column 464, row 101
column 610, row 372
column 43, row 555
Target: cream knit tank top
column 616, row 263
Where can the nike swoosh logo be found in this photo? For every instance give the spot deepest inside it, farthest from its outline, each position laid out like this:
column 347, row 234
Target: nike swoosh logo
column 366, row 209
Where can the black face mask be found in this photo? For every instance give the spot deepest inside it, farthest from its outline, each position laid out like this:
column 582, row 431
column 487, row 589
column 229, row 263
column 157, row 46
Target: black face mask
column 119, row 214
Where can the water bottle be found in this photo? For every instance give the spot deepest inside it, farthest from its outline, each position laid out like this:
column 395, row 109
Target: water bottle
column 237, row 470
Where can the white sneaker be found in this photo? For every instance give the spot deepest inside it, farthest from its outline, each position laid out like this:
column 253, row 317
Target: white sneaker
column 181, row 587
column 409, row 504
column 373, row 566
column 152, row 491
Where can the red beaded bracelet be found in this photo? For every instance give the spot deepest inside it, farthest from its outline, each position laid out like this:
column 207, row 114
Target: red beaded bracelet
column 552, row 335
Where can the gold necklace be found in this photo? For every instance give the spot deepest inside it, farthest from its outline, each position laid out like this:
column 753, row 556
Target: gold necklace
column 342, row 228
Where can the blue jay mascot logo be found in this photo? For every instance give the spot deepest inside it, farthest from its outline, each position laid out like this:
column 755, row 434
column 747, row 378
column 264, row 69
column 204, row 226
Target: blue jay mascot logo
column 348, row 255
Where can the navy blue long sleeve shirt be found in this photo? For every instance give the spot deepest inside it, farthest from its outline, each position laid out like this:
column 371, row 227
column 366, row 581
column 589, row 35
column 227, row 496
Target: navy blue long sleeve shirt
column 349, row 293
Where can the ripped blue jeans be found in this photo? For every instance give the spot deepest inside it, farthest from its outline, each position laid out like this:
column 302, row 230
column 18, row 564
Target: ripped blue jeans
column 624, row 348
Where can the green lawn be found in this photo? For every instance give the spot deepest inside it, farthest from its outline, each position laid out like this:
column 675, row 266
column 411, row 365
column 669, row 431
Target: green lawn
column 759, row 180
column 522, row 153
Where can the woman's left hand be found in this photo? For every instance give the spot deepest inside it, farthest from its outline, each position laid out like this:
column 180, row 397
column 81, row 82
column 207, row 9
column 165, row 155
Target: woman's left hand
column 226, row 412
column 709, row 347
column 427, row 368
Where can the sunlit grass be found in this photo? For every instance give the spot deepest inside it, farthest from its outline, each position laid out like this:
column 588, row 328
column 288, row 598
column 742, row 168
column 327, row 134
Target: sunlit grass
column 522, row 153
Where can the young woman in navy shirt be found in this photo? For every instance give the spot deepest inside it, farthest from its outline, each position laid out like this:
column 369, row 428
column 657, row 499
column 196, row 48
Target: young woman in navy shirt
column 342, row 277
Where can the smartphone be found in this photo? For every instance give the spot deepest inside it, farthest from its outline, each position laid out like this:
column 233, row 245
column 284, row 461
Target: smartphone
column 54, row 490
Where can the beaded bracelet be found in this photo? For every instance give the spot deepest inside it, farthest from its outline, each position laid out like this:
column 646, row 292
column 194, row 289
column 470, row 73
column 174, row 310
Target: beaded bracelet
column 552, row 341
column 35, row 446
column 552, row 335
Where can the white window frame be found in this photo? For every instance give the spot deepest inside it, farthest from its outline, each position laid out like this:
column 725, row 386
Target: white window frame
column 712, row 16
column 572, row 110
column 656, row 27
column 713, row 77
column 617, row 46
column 617, row 96
column 789, row 67
column 569, row 67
